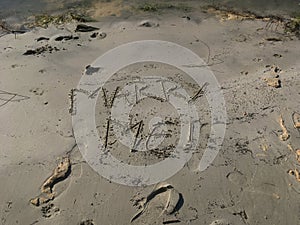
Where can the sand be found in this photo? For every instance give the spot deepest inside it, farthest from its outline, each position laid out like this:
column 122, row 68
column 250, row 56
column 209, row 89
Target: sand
column 253, row 179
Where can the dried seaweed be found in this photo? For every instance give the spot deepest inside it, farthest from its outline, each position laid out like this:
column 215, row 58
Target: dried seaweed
column 44, row 20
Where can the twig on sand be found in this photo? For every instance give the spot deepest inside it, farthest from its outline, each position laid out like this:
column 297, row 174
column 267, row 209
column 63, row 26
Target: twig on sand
column 105, row 98
column 94, row 92
column 107, row 133
column 199, row 93
column 137, row 135
column 71, row 101
column 114, row 96
column 112, row 99
column 60, row 173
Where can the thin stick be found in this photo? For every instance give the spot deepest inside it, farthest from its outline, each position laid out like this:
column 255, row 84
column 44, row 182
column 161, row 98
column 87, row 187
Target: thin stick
column 199, row 93
column 136, row 95
column 115, row 94
column 164, row 90
column 107, row 131
column 105, row 98
column 133, row 126
column 137, row 135
column 94, row 92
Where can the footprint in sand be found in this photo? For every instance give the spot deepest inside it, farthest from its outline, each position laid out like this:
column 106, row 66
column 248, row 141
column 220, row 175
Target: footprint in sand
column 237, row 178
column 60, row 173
column 172, row 203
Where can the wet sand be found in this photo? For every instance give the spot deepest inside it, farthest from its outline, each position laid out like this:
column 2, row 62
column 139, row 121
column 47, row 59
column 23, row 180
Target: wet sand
column 254, row 178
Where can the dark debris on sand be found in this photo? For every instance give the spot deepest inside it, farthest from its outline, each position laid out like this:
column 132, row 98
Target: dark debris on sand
column 40, row 50
column 85, row 28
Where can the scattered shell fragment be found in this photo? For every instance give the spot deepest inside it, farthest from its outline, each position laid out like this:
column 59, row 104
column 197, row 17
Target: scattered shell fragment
column 275, row 195
column 296, row 119
column 284, row 136
column 273, row 82
column 173, row 199
column 264, row 147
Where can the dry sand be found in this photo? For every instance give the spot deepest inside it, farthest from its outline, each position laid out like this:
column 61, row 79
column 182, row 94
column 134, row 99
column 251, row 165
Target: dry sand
column 253, row 180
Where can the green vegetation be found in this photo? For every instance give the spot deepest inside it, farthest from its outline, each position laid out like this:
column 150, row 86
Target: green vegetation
column 148, row 7
column 45, row 20
column 155, row 7
column 293, row 25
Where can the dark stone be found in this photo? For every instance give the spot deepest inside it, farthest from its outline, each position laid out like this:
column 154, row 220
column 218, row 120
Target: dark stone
column 89, row 70
column 85, row 28
column 42, row 39
column 94, row 35
column 30, row 52
column 66, row 38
